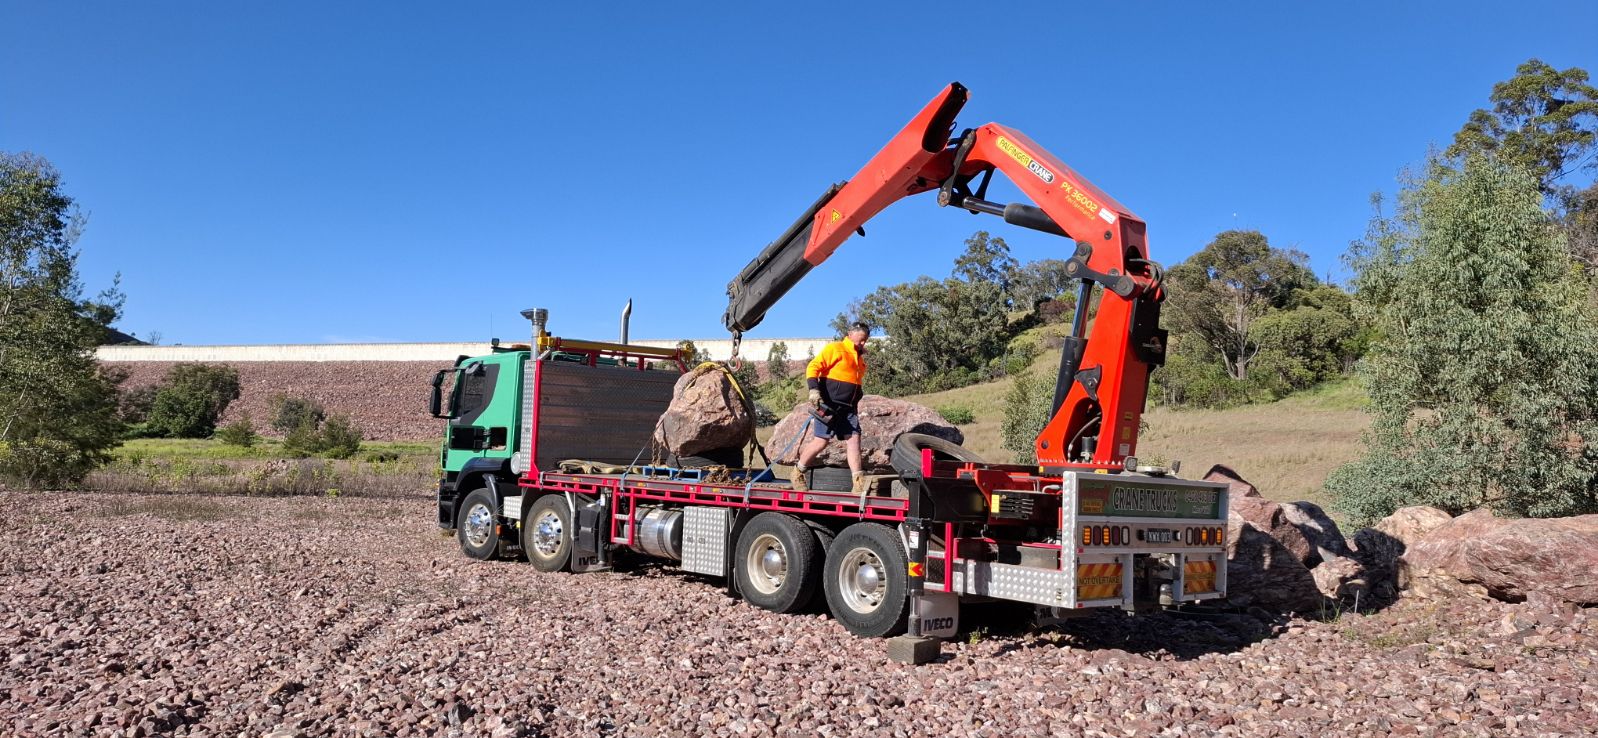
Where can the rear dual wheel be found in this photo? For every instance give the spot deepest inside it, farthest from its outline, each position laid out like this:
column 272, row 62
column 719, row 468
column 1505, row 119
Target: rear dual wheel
column 547, row 534
column 867, row 580
column 778, row 562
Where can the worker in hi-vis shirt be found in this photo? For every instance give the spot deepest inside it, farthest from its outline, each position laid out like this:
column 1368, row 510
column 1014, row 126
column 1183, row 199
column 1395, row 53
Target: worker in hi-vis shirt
column 835, row 377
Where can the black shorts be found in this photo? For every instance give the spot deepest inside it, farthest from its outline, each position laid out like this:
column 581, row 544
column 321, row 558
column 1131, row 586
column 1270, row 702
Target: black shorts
column 843, row 425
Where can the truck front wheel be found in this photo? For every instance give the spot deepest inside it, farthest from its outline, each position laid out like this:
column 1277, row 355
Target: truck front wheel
column 777, row 563
column 477, row 527
column 866, row 580
column 547, row 534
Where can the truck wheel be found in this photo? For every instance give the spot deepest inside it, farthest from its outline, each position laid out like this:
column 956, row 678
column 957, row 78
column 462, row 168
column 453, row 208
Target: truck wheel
column 547, row 534
column 776, row 563
column 477, row 526
column 866, row 582
column 906, row 455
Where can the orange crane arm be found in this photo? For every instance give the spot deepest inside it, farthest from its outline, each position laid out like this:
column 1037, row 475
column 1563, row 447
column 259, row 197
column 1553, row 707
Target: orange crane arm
column 1103, row 382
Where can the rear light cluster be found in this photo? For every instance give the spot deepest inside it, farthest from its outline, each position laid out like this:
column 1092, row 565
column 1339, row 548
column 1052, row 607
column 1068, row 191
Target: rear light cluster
column 1120, row 535
column 1106, row 535
column 1206, row 536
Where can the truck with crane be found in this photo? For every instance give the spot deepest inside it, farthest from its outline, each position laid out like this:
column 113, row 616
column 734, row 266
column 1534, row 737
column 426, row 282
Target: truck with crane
column 543, row 441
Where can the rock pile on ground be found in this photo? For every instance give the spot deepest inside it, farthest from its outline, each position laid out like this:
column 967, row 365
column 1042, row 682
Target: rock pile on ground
column 1291, row 557
column 882, row 421
column 169, row 615
column 1506, row 559
column 706, row 413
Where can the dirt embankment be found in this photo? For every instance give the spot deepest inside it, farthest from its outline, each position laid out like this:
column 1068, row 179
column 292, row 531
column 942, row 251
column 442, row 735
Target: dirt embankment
column 183, row 615
column 387, row 400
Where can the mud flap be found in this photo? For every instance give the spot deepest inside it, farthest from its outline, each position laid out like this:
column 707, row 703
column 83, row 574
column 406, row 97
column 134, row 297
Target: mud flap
column 588, row 543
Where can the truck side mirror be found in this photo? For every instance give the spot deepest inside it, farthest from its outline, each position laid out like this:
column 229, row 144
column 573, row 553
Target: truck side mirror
column 435, row 404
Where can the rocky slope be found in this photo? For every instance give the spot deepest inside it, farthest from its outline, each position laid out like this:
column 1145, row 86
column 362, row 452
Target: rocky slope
column 171, row 615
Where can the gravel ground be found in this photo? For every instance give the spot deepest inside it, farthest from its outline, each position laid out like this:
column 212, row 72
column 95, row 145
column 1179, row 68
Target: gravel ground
column 170, row 615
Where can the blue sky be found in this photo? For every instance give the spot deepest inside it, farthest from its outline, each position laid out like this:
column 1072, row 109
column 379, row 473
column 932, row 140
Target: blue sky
column 307, row 172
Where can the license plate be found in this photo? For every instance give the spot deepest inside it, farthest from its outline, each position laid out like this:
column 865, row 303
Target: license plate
column 1159, row 535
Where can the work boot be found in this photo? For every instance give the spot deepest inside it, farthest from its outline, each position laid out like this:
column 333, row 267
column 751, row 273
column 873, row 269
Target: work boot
column 799, row 482
column 859, row 487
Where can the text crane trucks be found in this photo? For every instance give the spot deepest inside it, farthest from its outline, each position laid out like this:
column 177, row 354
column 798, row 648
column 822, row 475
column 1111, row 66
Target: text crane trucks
column 543, row 440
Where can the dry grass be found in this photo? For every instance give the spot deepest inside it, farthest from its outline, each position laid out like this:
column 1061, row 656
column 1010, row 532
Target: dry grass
column 1285, row 448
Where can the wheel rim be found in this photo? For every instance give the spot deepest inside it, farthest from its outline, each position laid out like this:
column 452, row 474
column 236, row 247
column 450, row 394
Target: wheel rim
column 547, row 530
column 479, row 525
column 766, row 564
column 862, row 580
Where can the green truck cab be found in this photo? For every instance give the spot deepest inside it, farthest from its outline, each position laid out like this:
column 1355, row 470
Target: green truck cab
column 483, row 414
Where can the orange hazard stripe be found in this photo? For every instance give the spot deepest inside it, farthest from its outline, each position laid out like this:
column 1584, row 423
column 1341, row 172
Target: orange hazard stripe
column 1094, row 573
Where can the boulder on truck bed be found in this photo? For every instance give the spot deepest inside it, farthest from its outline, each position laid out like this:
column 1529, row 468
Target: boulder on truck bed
column 882, row 421
column 706, row 414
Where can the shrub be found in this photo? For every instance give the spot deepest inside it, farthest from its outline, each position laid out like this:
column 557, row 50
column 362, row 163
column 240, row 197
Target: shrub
column 240, row 432
column 1026, row 411
column 957, row 414
column 302, row 441
column 339, row 438
column 291, row 413
column 1482, row 378
column 190, row 400
column 134, row 403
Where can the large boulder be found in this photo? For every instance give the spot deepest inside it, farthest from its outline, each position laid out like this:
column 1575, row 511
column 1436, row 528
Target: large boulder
column 1240, row 487
column 1343, row 578
column 1268, row 517
column 1380, row 547
column 1506, row 559
column 1261, row 572
column 705, row 414
column 1325, row 538
column 1408, row 524
column 882, row 421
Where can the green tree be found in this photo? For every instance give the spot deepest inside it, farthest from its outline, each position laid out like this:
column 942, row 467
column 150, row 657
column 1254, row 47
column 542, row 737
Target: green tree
column 1313, row 341
column 943, row 334
column 191, row 399
column 1042, row 280
column 1027, row 408
column 339, row 438
column 58, row 410
column 1581, row 227
column 1218, row 293
column 987, row 259
column 1193, row 376
column 239, row 433
column 1481, row 376
column 1543, row 119
column 778, row 366
column 289, row 413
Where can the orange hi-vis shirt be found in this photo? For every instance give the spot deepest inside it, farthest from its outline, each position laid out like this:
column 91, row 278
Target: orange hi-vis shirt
column 838, row 372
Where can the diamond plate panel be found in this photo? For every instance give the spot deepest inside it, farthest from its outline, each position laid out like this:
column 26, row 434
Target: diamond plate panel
column 513, row 507
column 1018, row 583
column 525, row 448
column 704, row 540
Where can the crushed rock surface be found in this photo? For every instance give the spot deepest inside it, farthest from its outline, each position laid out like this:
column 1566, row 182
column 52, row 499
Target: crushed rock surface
column 190, row 616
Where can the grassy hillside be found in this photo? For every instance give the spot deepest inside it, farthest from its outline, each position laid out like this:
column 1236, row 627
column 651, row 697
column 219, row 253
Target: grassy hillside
column 1286, row 448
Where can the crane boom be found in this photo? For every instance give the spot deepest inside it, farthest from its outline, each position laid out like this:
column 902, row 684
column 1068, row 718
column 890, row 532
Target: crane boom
column 1103, row 380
